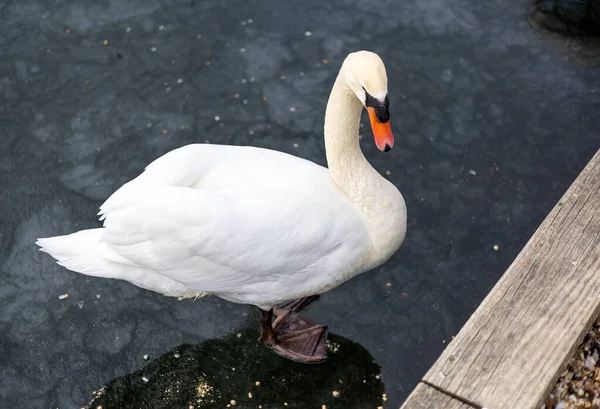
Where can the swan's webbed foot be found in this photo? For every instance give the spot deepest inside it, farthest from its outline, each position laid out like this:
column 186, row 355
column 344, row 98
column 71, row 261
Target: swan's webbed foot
column 292, row 336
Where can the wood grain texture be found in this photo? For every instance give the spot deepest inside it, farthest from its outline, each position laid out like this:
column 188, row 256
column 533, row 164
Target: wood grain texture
column 426, row 397
column 510, row 352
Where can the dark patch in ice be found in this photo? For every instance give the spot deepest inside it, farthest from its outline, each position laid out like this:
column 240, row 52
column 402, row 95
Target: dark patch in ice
column 222, row 372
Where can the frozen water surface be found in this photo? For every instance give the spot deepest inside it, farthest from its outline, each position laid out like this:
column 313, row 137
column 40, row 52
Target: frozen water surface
column 493, row 121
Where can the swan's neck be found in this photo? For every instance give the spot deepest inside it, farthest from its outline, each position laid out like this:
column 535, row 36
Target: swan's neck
column 347, row 165
column 378, row 201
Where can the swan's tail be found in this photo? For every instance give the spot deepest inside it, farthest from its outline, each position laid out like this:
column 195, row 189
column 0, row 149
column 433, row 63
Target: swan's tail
column 84, row 252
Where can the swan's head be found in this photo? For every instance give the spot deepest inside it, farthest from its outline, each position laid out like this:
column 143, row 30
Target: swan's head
column 365, row 75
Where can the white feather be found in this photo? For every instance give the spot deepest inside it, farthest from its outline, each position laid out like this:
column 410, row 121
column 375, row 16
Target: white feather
column 224, row 229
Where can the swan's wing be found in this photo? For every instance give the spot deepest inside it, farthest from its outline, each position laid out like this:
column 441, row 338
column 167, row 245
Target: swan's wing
column 216, row 167
column 244, row 239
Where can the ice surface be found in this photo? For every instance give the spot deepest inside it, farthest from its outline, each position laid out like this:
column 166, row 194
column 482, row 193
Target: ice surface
column 472, row 88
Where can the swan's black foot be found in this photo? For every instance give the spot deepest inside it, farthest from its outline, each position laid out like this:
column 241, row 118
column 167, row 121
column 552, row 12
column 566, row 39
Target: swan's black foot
column 293, row 337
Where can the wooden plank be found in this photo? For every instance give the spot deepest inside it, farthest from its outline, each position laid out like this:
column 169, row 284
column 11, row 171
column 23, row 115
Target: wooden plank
column 510, row 352
column 426, row 397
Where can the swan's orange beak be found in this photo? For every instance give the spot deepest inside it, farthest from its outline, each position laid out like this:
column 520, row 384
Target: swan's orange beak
column 381, row 131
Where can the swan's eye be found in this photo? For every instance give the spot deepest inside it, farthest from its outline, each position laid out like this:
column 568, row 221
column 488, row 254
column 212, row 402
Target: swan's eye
column 382, row 108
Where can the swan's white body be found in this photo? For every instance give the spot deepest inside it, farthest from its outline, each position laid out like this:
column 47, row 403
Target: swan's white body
column 250, row 225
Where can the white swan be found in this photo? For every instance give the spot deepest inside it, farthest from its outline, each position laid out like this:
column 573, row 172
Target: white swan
column 256, row 226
